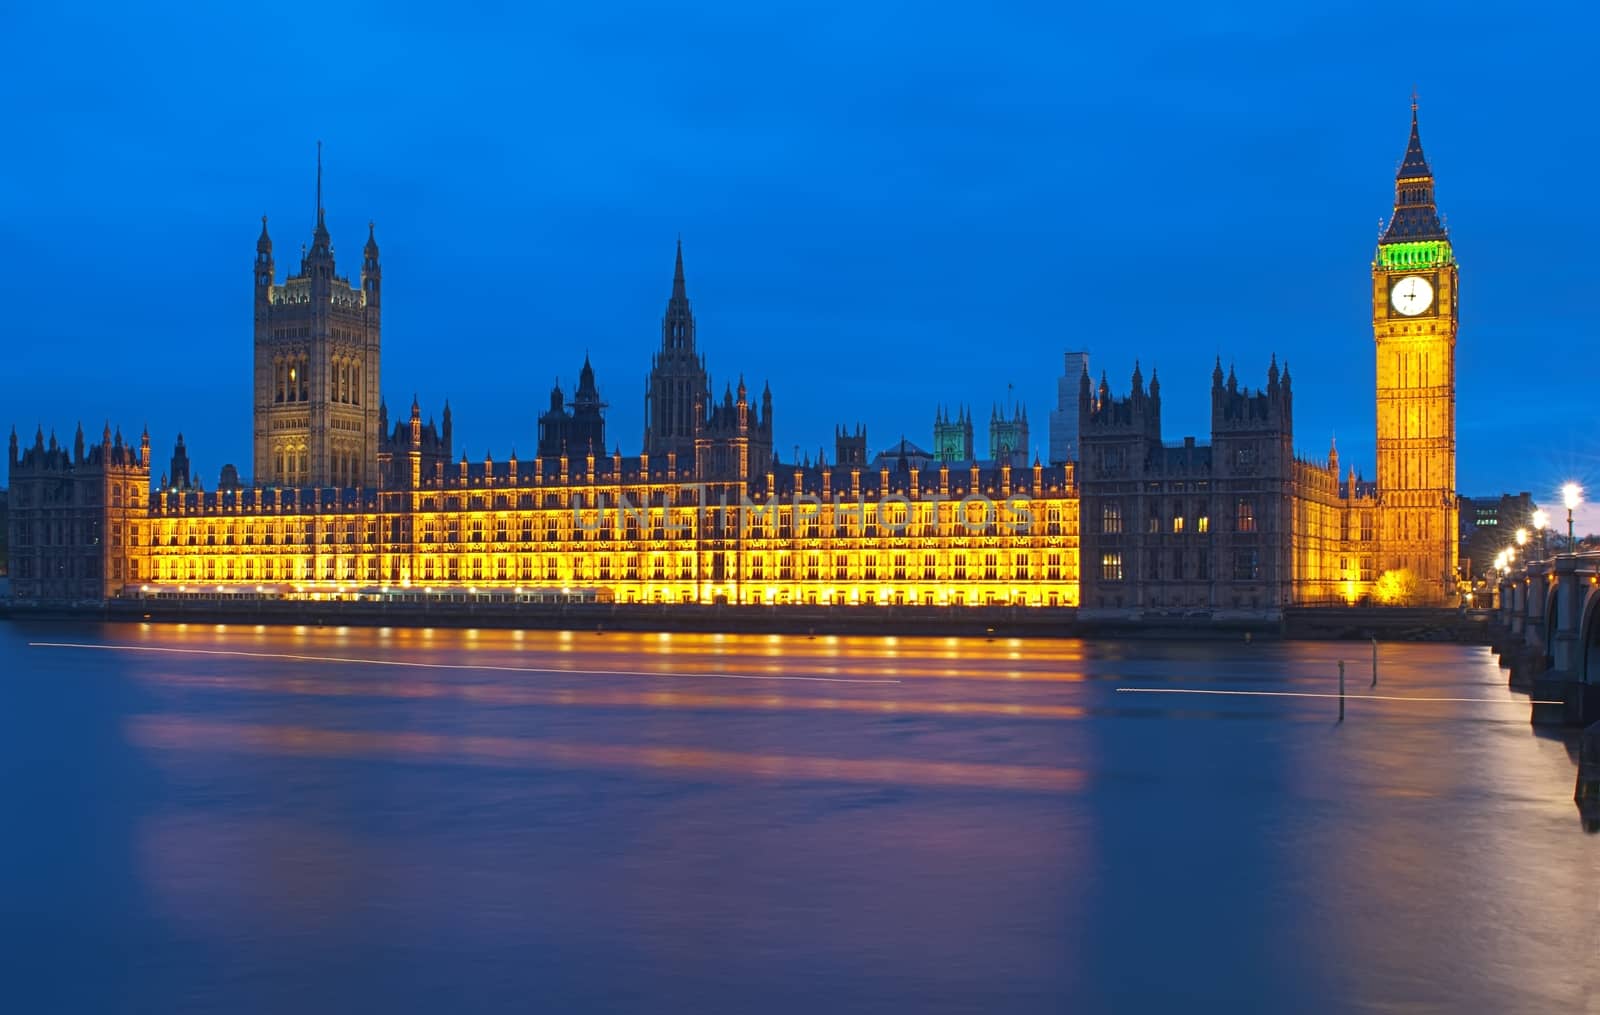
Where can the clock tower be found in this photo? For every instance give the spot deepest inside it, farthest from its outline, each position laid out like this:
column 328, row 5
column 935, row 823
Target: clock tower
column 1414, row 284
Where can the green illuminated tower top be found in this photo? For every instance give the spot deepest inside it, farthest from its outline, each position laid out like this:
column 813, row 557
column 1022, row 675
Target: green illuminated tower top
column 1415, row 237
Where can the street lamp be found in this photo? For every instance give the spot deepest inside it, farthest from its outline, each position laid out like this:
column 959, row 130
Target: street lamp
column 1541, row 521
column 1571, row 496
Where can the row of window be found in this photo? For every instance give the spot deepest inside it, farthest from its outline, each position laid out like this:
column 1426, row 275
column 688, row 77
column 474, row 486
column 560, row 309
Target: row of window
column 1180, row 566
column 1112, row 522
column 989, row 567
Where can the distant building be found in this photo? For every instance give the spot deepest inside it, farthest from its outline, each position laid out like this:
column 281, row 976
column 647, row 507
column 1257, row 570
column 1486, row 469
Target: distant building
column 1489, row 525
column 1064, row 419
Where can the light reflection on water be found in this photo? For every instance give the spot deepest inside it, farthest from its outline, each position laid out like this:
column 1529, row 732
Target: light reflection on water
column 570, row 820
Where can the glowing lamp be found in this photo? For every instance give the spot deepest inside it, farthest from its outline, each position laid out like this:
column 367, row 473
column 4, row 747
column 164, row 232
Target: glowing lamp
column 1571, row 495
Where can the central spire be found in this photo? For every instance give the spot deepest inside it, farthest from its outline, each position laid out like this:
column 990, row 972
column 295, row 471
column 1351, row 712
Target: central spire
column 677, row 327
column 321, row 242
column 1415, row 215
column 1415, row 164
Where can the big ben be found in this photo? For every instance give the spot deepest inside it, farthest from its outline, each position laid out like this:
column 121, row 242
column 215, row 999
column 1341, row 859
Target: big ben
column 1414, row 288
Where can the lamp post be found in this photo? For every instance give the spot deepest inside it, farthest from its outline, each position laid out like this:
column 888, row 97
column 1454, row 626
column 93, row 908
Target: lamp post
column 1541, row 521
column 1571, row 496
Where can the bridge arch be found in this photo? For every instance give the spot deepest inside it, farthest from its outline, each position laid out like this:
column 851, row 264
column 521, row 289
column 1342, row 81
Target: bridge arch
column 1589, row 637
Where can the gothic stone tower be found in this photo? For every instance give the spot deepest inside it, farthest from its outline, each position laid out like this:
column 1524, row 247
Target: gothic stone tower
column 1414, row 280
column 1008, row 438
column 677, row 381
column 316, row 367
column 952, row 438
column 1252, row 471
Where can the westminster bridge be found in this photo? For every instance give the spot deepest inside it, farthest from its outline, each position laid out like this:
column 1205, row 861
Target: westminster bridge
column 1547, row 621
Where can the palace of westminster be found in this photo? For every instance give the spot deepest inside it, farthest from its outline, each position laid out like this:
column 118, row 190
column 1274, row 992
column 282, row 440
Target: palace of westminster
column 346, row 502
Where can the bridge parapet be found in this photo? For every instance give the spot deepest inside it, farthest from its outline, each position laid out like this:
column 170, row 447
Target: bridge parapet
column 1548, row 615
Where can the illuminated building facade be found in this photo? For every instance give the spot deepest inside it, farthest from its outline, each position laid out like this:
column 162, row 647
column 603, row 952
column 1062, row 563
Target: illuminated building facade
column 712, row 519
column 1414, row 286
column 640, row 530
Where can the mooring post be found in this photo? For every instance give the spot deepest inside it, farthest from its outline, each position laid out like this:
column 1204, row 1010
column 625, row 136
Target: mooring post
column 1374, row 662
column 1341, row 690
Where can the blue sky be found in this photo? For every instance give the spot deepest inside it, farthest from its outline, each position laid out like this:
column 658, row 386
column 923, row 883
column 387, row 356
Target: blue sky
column 883, row 207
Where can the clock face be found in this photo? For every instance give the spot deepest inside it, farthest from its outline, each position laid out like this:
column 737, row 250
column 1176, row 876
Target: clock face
column 1411, row 295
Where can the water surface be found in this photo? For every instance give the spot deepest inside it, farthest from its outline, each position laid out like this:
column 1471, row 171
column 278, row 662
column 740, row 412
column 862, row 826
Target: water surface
column 309, row 820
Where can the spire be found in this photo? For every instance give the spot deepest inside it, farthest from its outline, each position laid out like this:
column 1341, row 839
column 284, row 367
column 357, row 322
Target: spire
column 677, row 327
column 1415, row 164
column 321, row 243
column 1415, row 215
column 264, row 242
column 1216, row 374
column 319, row 184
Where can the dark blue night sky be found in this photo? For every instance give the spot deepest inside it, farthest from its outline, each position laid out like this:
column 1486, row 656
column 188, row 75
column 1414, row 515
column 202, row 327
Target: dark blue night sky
column 883, row 207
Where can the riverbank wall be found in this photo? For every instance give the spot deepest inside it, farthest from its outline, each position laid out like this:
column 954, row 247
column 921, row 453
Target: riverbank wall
column 1301, row 623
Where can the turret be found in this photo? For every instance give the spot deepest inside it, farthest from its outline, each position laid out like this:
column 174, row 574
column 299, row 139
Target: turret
column 265, row 271
column 371, row 269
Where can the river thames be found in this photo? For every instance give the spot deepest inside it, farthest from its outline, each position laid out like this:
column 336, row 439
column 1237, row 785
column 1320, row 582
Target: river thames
column 243, row 819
